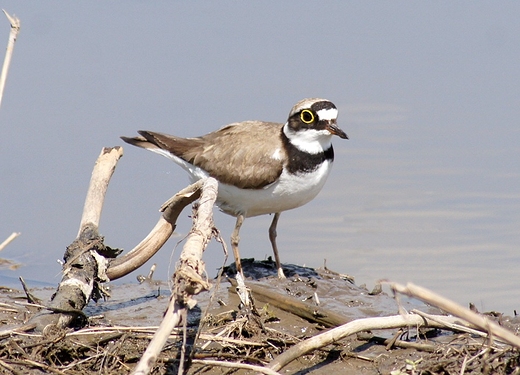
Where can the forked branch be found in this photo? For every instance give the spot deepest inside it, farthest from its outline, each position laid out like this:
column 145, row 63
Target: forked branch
column 189, row 278
column 162, row 231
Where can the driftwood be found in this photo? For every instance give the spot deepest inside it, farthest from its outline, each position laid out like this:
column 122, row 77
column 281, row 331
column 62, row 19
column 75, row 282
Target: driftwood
column 189, row 278
column 162, row 231
column 316, row 314
column 85, row 263
column 15, row 29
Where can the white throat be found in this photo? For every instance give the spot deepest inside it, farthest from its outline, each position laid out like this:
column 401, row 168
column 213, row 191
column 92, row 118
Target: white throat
column 311, row 141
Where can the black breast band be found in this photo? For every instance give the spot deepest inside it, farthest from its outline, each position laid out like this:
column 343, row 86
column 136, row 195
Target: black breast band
column 304, row 162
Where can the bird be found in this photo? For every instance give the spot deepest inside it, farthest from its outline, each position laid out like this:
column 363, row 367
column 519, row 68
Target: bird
column 261, row 167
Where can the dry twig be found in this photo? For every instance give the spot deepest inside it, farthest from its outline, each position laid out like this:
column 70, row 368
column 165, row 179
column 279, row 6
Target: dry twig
column 236, row 365
column 8, row 240
column 189, row 277
column 453, row 308
column 348, row 329
column 15, row 29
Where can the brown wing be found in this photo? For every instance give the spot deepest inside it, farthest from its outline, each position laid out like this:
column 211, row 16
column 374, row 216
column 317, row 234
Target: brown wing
column 239, row 154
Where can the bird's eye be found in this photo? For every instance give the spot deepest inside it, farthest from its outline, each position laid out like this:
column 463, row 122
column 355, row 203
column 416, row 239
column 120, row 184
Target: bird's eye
column 307, row 116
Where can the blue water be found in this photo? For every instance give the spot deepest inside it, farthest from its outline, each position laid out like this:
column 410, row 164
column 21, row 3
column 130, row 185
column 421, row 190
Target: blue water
column 426, row 190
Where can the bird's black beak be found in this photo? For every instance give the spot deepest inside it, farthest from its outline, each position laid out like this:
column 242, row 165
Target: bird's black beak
column 334, row 129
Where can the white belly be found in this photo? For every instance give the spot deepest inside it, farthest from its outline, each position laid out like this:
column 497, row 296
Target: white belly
column 289, row 192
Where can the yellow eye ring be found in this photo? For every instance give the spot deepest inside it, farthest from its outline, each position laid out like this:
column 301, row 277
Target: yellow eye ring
column 307, row 116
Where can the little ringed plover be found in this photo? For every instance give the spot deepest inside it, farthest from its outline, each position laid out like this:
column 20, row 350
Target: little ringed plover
column 262, row 167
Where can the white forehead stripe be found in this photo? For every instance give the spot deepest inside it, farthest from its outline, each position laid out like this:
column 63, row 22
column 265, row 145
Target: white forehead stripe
column 328, row 114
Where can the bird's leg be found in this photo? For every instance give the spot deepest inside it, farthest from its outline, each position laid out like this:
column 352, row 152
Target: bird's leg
column 272, row 237
column 235, row 239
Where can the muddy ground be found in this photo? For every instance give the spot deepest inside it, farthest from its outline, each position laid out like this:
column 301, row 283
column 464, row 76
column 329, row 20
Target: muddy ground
column 120, row 328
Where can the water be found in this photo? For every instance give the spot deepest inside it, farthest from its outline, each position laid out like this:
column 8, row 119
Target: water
column 426, row 190
column 401, row 204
